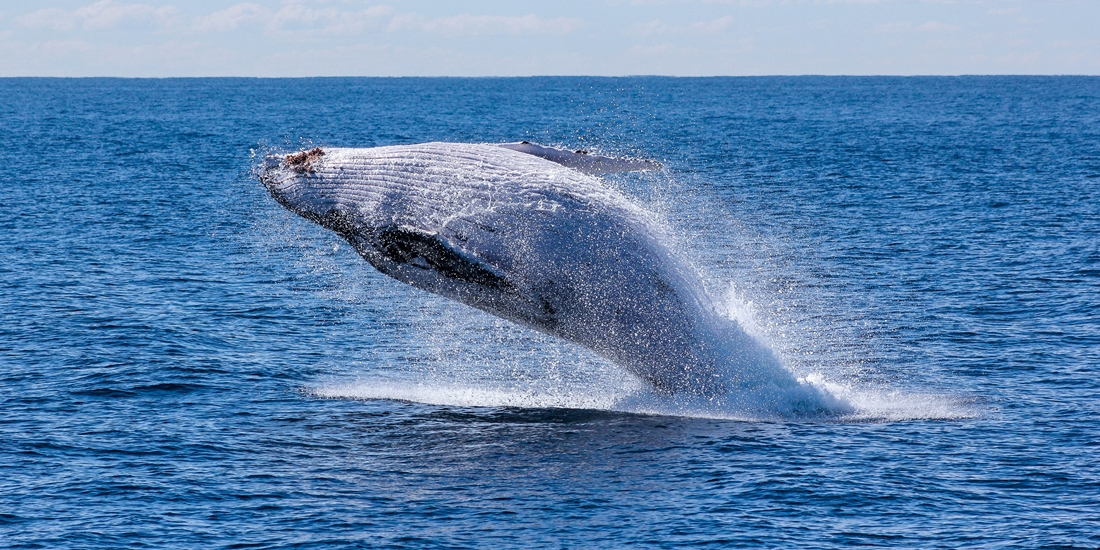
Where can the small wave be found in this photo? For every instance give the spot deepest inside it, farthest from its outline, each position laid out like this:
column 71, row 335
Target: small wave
column 803, row 403
column 896, row 405
column 466, row 396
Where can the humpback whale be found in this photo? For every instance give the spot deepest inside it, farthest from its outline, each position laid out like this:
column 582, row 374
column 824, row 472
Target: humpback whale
column 529, row 234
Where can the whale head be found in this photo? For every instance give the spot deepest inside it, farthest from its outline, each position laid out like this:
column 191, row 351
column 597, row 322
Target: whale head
column 293, row 181
column 412, row 223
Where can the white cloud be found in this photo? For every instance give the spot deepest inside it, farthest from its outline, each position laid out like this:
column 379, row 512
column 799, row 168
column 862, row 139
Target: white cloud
column 485, row 24
column 299, row 16
column 233, row 17
column 356, row 22
column 660, row 49
column 889, row 1
column 65, row 48
column 657, row 27
column 767, row 3
column 107, row 14
column 165, row 37
column 328, row 20
column 293, row 17
column 649, row 29
column 906, row 27
column 936, row 26
column 742, row 3
column 55, row 19
column 102, row 15
column 894, row 27
column 711, row 27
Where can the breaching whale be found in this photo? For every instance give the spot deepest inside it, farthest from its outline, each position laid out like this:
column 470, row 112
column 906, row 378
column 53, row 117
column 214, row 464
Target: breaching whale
column 527, row 233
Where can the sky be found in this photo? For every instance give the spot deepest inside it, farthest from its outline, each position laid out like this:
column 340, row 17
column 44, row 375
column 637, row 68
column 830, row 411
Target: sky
column 519, row 38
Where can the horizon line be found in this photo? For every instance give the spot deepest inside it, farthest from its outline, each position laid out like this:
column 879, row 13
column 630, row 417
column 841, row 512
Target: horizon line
column 801, row 75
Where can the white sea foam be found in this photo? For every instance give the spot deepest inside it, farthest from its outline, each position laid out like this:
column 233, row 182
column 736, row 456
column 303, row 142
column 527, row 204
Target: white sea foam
column 433, row 393
column 866, row 405
column 890, row 404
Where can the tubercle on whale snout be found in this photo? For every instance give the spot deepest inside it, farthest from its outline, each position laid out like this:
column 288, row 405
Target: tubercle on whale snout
column 301, row 162
column 276, row 165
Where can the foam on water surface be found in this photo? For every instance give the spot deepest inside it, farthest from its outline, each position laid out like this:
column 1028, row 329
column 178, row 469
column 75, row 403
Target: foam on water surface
column 866, row 405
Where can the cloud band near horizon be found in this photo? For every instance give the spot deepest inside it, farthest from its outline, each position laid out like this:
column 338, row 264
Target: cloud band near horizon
column 398, row 38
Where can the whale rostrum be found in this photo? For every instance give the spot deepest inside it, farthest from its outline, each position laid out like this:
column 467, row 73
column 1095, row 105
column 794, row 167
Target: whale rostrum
column 526, row 233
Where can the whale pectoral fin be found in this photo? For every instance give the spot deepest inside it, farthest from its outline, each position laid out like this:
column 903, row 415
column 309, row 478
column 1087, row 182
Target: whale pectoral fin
column 581, row 160
column 430, row 261
column 427, row 250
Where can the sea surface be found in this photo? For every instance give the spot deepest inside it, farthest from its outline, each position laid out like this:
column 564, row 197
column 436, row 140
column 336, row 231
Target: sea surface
column 185, row 364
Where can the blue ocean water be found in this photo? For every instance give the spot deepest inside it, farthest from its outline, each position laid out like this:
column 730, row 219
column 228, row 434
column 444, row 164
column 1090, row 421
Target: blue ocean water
column 183, row 363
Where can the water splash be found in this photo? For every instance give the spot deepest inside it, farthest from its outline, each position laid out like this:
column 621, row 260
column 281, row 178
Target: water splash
column 476, row 360
column 850, row 405
column 472, row 359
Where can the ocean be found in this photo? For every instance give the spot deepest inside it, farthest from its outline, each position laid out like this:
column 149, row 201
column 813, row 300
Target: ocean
column 186, row 364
